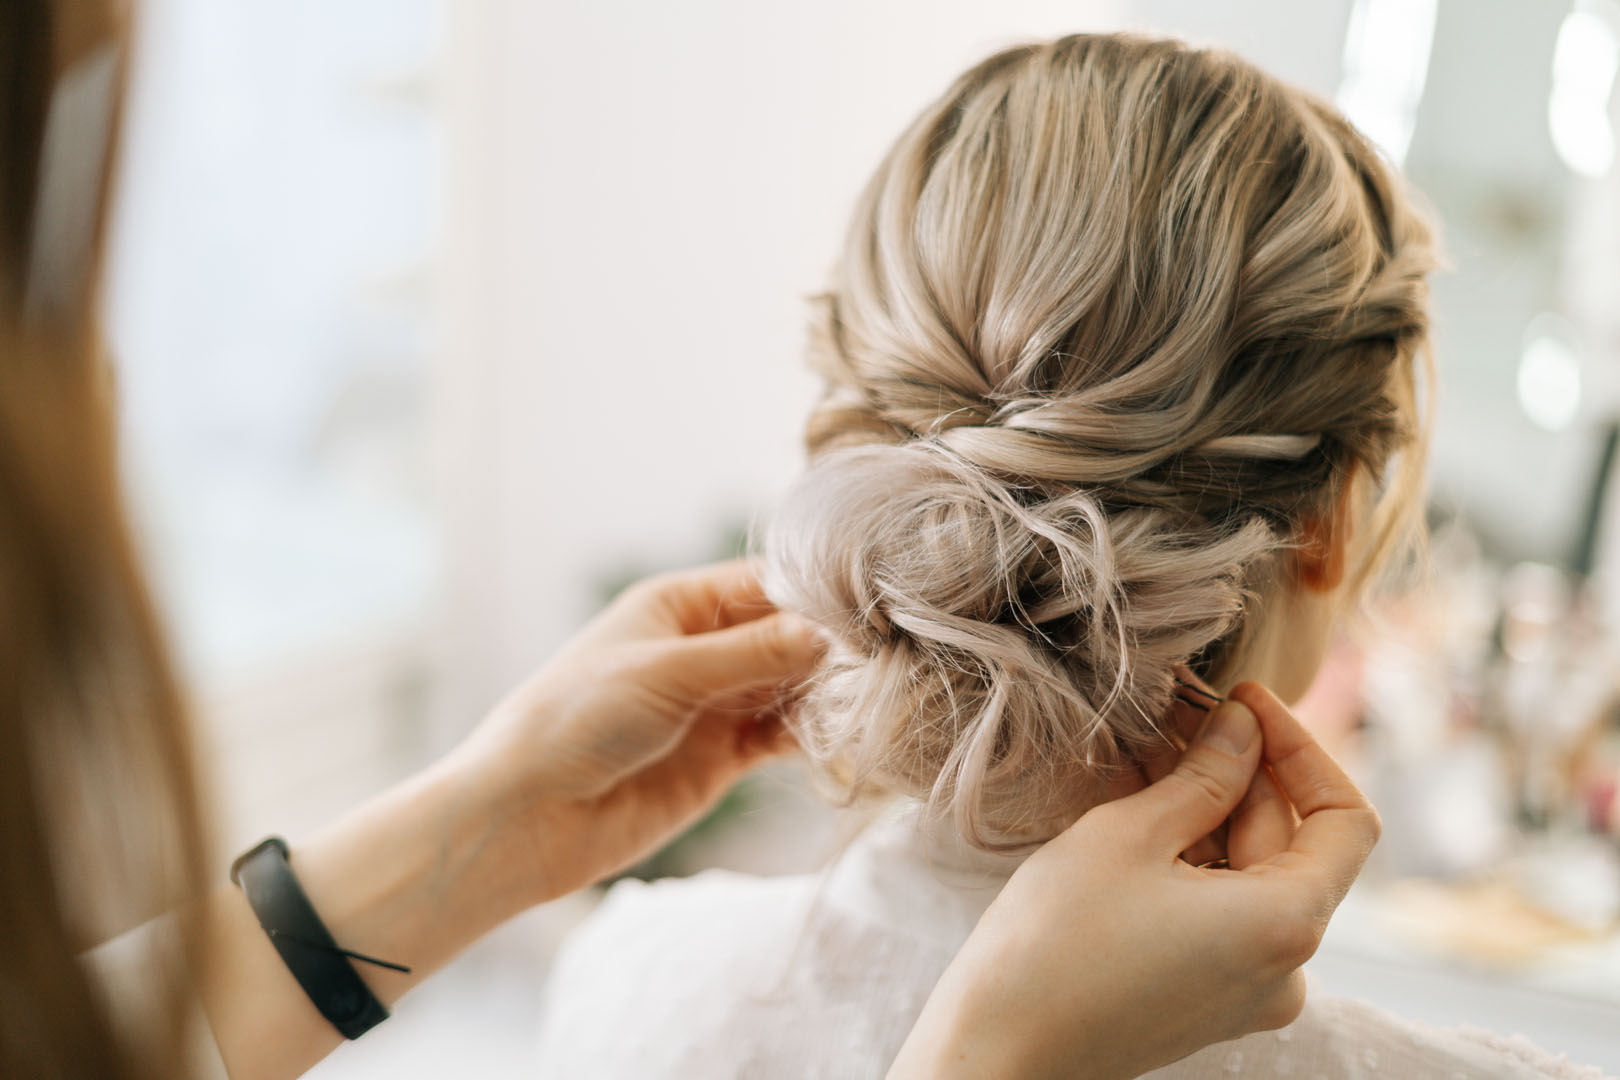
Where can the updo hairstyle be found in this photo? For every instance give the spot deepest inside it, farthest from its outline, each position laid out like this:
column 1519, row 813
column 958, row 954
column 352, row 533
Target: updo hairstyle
column 1115, row 319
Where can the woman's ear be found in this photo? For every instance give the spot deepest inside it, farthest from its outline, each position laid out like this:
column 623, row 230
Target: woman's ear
column 1323, row 553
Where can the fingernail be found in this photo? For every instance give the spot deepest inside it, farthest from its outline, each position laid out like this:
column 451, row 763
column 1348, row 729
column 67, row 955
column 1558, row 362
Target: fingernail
column 1231, row 729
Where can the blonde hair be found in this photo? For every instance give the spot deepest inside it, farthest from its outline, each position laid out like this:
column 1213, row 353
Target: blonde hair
column 1115, row 318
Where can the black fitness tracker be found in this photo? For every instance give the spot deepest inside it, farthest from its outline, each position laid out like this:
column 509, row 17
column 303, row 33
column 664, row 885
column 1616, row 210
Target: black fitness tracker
column 321, row 967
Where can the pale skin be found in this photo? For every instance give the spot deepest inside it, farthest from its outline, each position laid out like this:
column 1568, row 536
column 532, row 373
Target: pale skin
column 639, row 726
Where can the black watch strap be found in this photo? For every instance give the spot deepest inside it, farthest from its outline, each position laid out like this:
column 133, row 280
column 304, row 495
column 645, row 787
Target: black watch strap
column 321, row 967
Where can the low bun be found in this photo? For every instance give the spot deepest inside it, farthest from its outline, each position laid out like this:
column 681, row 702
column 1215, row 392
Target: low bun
column 996, row 652
column 1116, row 325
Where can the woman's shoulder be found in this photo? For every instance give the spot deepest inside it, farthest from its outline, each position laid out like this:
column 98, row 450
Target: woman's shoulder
column 1385, row 1045
column 726, row 974
column 641, row 923
column 1344, row 1039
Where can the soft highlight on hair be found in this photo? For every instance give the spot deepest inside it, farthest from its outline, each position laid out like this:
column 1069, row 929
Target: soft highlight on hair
column 1115, row 319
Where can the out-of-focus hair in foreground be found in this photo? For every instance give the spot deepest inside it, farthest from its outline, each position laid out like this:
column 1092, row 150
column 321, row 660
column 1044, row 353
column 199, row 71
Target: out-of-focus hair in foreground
column 98, row 807
column 1117, row 320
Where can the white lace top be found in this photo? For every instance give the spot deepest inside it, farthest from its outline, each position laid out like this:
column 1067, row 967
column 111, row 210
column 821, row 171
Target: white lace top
column 822, row 976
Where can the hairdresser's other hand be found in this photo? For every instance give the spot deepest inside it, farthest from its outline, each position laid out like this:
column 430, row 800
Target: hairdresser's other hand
column 1107, row 955
column 644, row 719
column 1261, row 826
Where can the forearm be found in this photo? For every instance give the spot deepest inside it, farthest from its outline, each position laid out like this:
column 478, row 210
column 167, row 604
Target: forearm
column 414, row 876
column 975, row 1027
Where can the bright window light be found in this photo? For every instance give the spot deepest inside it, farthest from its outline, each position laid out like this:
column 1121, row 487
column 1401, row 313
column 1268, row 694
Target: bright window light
column 1386, row 62
column 1584, row 63
column 1550, row 374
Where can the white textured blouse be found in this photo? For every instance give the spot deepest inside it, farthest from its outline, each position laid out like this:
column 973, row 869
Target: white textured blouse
column 822, row 976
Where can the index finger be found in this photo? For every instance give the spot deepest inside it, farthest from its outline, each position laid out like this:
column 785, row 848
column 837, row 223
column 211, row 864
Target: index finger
column 712, row 597
column 1338, row 826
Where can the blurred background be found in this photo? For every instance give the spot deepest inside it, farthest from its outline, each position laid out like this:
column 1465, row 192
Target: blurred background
column 437, row 323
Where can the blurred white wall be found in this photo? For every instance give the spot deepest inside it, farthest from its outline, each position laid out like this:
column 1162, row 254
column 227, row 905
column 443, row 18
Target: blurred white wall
column 276, row 215
column 1299, row 43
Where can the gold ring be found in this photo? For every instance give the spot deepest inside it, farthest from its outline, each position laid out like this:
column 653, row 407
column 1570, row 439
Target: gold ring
column 1216, row 864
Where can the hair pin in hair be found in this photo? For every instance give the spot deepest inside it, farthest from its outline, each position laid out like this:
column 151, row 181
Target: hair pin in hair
column 1201, row 692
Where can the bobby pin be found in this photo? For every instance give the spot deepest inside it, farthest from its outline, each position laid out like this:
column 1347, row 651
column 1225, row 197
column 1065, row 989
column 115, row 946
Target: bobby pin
column 1201, row 692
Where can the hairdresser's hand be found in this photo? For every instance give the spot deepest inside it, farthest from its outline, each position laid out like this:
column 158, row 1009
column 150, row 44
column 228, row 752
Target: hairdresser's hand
column 644, row 719
column 1263, row 822
column 1107, row 955
column 631, row 732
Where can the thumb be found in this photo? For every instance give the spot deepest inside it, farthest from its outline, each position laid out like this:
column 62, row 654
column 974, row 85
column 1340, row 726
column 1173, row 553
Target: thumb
column 778, row 648
column 1207, row 784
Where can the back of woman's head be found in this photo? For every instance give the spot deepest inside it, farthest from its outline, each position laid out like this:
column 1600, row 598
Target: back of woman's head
column 1116, row 320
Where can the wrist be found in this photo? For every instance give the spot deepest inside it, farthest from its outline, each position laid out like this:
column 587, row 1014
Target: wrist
column 429, row 863
column 413, row 876
column 968, row 1039
column 958, row 1033
column 538, row 835
column 981, row 1022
